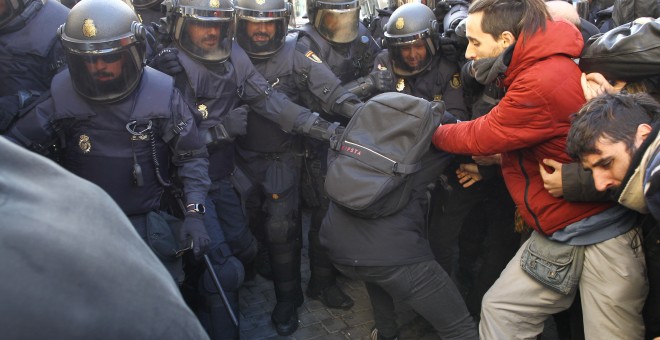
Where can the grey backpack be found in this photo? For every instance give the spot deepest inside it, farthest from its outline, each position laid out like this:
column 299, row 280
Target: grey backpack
column 372, row 164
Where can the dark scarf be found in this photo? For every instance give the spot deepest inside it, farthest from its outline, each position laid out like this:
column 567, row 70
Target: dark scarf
column 486, row 70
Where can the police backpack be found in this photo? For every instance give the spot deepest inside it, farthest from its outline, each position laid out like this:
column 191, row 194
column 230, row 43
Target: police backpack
column 371, row 166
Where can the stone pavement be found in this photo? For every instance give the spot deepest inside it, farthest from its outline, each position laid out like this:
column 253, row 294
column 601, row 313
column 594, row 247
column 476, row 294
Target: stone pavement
column 257, row 300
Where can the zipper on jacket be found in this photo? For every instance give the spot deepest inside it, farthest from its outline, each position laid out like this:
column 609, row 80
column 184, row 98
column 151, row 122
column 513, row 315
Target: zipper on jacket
column 531, row 212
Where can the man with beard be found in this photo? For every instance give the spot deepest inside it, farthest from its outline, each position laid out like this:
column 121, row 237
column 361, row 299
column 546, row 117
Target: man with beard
column 616, row 138
column 124, row 127
column 517, row 39
column 218, row 79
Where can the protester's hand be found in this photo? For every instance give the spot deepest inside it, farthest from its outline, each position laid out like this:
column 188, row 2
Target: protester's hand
column 167, row 61
column 495, row 159
column 552, row 180
column 468, row 174
column 193, row 228
column 594, row 84
column 236, row 121
column 381, row 80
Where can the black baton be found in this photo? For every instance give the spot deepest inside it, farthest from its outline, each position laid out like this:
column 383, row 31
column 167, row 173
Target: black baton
column 221, row 291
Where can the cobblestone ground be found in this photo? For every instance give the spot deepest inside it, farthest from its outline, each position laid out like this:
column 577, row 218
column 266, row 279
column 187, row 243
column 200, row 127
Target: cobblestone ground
column 257, row 300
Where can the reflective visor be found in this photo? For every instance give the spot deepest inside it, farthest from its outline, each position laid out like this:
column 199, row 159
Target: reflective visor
column 260, row 37
column 207, row 40
column 339, row 26
column 103, row 76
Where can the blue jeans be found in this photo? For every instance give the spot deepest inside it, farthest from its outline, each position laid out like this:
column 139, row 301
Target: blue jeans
column 425, row 287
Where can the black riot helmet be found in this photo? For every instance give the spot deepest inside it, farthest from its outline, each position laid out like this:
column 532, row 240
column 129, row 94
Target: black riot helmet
column 335, row 20
column 412, row 38
column 104, row 44
column 261, row 26
column 204, row 29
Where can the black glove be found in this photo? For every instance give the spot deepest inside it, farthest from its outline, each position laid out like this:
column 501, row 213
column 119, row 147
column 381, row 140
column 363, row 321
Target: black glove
column 193, row 228
column 167, row 61
column 381, row 80
column 236, row 121
column 323, row 130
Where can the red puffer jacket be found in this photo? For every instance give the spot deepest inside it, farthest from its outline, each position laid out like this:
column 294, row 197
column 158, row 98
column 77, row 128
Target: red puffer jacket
column 531, row 123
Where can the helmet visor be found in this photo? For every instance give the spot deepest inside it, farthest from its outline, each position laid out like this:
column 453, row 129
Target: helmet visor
column 260, row 38
column 411, row 57
column 104, row 76
column 338, row 25
column 207, row 40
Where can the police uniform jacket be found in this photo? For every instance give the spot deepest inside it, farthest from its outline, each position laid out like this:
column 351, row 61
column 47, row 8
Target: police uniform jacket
column 295, row 74
column 221, row 91
column 30, row 52
column 97, row 144
column 440, row 81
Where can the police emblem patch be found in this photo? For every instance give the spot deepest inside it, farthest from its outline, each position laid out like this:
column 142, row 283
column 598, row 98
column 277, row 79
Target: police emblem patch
column 313, row 57
column 399, row 24
column 203, row 110
column 89, row 29
column 455, row 81
column 214, row 3
column 400, row 84
column 437, row 98
column 84, row 143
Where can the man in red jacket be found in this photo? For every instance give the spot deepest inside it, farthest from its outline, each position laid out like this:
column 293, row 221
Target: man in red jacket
column 515, row 43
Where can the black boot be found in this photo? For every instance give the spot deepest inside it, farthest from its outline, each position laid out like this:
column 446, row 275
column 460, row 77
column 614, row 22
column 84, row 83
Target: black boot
column 331, row 296
column 285, row 318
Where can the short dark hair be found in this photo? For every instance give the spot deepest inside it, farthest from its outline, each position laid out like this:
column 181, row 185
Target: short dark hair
column 613, row 117
column 515, row 16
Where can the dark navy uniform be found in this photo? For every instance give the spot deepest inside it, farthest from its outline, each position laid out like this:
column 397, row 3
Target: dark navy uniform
column 220, row 88
column 440, row 81
column 97, row 144
column 30, row 53
column 271, row 157
column 348, row 62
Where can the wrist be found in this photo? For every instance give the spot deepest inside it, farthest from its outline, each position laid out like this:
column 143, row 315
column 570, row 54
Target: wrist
column 195, row 209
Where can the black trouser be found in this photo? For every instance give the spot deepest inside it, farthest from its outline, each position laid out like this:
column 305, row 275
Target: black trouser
column 276, row 178
column 425, row 287
column 314, row 172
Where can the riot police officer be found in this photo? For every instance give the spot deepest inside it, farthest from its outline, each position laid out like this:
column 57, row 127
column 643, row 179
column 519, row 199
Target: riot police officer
column 29, row 54
column 270, row 155
column 335, row 37
column 218, row 77
column 419, row 68
column 116, row 130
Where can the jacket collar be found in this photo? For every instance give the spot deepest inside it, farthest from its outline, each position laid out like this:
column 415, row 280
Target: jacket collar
column 632, row 187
